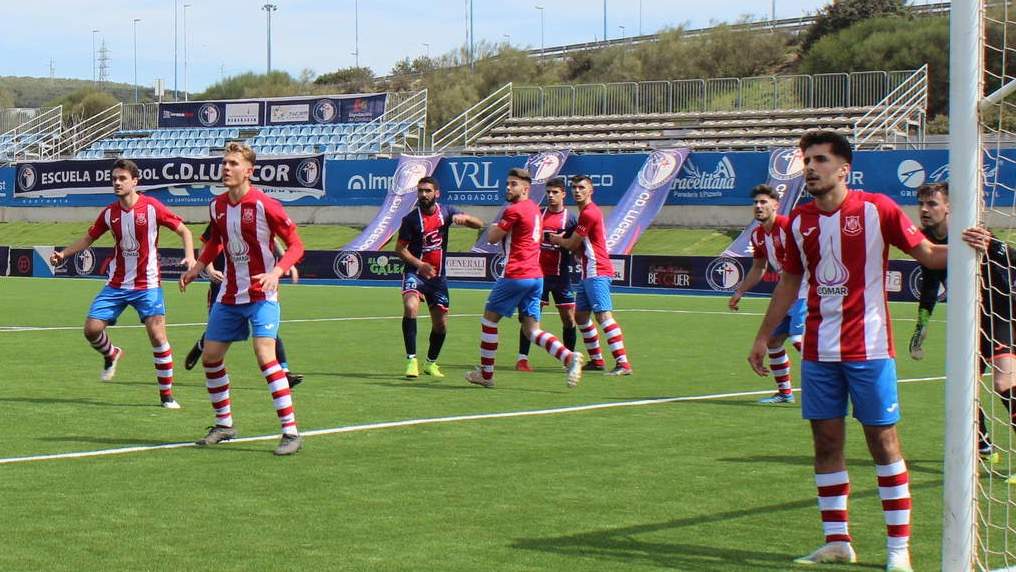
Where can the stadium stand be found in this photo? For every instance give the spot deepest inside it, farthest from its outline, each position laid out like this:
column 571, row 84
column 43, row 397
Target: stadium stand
column 873, row 109
column 132, row 131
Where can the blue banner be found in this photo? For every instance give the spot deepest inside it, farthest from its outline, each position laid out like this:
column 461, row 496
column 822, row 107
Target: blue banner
column 239, row 113
column 643, row 201
column 362, row 108
column 708, row 179
column 542, row 167
column 401, row 198
column 174, row 181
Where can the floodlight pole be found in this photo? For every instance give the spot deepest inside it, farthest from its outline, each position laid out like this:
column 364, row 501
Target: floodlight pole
column 186, row 88
column 134, row 25
column 94, row 32
column 540, row 8
column 269, row 8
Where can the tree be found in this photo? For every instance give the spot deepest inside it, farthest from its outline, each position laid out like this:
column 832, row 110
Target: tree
column 6, row 98
column 83, row 103
column 351, row 79
column 274, row 84
column 889, row 43
column 842, row 14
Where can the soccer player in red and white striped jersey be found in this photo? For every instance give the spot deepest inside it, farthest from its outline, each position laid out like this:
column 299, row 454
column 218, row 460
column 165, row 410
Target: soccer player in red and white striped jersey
column 134, row 280
column 244, row 223
column 768, row 241
column 841, row 242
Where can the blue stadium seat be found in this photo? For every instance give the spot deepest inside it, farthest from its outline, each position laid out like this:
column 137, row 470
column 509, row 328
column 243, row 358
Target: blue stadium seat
column 277, row 150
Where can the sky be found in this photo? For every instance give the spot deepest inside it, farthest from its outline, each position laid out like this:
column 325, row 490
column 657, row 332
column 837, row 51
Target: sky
column 228, row 37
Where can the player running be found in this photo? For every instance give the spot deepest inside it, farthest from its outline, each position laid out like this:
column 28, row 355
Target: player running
column 244, row 221
column 593, row 296
column 423, row 244
column 521, row 286
column 768, row 242
column 134, row 221
column 556, row 265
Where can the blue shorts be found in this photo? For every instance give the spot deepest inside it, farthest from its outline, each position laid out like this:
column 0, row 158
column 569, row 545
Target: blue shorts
column 229, row 322
column 870, row 384
column 434, row 291
column 561, row 288
column 110, row 302
column 511, row 293
column 793, row 322
column 594, row 294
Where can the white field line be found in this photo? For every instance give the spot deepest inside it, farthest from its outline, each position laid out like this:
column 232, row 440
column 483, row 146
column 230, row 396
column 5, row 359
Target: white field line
column 411, row 423
column 15, row 329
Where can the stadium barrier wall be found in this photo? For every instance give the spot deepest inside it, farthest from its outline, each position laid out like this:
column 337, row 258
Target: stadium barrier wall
column 706, row 179
column 355, row 108
column 718, row 275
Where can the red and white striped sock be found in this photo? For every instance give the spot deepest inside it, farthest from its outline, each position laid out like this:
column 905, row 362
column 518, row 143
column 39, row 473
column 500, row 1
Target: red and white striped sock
column 591, row 338
column 615, row 340
column 488, row 347
column 779, row 363
column 833, row 492
column 282, row 396
column 894, row 490
column 102, row 344
column 554, row 347
column 163, row 358
column 217, row 382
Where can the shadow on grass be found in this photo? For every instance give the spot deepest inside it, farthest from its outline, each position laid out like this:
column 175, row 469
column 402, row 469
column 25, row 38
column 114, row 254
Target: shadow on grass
column 620, row 544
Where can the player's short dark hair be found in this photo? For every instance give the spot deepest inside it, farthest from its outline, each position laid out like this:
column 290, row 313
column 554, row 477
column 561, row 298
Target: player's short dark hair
column 557, row 183
column 428, row 180
column 764, row 189
column 579, row 178
column 127, row 165
column 840, row 145
column 928, row 189
column 520, row 173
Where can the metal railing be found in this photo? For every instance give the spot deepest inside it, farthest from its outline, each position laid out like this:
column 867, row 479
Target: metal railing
column 892, row 117
column 476, row 121
column 32, row 137
column 139, row 116
column 389, row 132
column 857, row 89
column 84, row 133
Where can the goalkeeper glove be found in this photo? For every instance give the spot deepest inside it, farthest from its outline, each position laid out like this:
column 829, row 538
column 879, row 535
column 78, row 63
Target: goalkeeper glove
column 920, row 333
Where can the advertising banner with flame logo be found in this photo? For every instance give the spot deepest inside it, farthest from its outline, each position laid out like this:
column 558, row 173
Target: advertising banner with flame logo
column 401, row 199
column 542, row 167
column 643, row 200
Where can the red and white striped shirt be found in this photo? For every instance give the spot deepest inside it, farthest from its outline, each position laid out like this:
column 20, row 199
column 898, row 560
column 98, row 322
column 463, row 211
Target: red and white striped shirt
column 595, row 258
column 846, row 255
column 135, row 263
column 246, row 231
column 771, row 246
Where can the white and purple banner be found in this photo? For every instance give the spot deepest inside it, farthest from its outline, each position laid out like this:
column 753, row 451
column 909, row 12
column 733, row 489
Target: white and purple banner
column 401, row 199
column 542, row 167
column 643, row 200
column 786, row 175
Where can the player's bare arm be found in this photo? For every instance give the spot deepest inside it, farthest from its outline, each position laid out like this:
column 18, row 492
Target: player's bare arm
column 57, row 258
column 783, row 298
column 188, row 245
column 496, row 234
column 424, row 269
column 754, row 276
column 571, row 243
column 462, row 219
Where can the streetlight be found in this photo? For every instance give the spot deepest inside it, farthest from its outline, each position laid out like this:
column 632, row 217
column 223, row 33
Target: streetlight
column 186, row 90
column 426, row 46
column 94, row 32
column 176, row 37
column 269, row 8
column 134, row 26
column 356, row 33
column 540, row 8
column 507, row 39
column 622, row 31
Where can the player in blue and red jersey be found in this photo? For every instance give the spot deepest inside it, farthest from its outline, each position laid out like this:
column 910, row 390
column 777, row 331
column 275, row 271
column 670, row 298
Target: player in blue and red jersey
column 593, row 296
column 521, row 230
column 556, row 264
column 423, row 243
